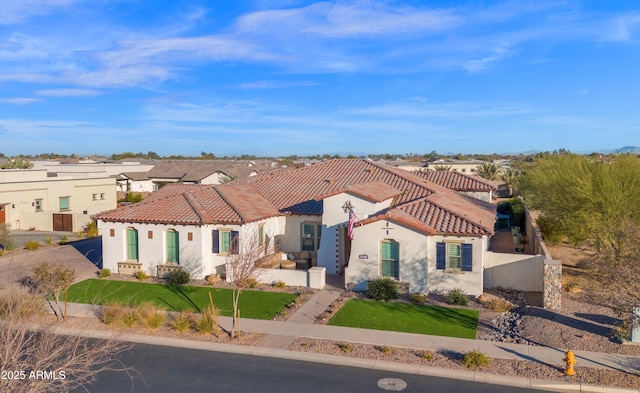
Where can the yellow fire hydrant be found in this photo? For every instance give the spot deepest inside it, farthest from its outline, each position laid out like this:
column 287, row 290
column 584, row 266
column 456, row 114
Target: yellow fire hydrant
column 570, row 360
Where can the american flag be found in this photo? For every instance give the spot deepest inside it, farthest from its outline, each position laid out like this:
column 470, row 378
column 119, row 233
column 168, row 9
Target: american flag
column 352, row 223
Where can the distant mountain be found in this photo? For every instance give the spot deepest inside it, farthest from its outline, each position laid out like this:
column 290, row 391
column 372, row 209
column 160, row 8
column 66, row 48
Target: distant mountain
column 627, row 149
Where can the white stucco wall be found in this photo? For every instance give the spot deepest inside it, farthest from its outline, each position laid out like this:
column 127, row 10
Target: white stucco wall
column 19, row 190
column 417, row 259
column 517, row 271
column 483, row 196
column 291, row 240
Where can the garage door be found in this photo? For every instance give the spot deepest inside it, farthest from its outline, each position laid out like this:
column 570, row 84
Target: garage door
column 63, row 222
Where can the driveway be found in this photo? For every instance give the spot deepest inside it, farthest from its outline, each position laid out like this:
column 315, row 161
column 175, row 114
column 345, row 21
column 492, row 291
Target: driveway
column 19, row 263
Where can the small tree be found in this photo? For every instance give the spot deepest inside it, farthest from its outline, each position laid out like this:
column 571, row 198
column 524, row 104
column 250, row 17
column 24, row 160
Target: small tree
column 17, row 163
column 489, row 171
column 52, row 281
column 242, row 267
column 6, row 239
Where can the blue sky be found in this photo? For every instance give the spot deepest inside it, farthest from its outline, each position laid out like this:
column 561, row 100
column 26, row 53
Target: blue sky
column 280, row 77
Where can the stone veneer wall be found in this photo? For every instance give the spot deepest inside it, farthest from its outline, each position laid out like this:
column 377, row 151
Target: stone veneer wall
column 552, row 287
column 552, row 292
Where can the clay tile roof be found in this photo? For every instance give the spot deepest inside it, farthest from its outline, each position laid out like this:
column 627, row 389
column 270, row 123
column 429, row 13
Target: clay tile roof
column 455, row 181
column 246, row 201
column 375, row 191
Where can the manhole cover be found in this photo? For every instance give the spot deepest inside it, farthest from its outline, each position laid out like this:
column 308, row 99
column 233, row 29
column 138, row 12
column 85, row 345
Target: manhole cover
column 395, row 384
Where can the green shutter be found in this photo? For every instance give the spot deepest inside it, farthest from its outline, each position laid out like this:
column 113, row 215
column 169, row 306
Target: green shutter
column 132, row 244
column 390, row 259
column 173, row 247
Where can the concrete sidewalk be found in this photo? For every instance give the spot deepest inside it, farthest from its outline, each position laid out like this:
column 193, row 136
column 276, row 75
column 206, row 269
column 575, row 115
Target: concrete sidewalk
column 287, row 331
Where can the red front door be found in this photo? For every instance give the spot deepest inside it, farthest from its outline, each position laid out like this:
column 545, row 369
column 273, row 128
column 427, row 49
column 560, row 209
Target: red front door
column 2, row 216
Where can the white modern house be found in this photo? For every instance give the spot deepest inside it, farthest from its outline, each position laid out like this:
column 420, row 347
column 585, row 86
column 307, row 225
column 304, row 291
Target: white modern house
column 32, row 199
column 424, row 235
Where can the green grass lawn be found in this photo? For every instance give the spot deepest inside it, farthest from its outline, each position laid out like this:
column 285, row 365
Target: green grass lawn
column 253, row 304
column 409, row 318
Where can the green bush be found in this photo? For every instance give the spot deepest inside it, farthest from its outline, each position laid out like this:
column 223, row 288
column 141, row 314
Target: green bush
column 279, row 284
column 32, row 245
column 92, row 229
column 427, row 356
column 456, row 296
column 249, row 283
column 181, row 321
column 178, row 277
column 551, row 229
column 345, row 347
column 383, row 289
column 475, row 359
column 104, row 273
column 516, row 206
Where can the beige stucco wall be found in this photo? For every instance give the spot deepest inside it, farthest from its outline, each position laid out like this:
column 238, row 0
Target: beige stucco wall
column 517, row 271
column 19, row 190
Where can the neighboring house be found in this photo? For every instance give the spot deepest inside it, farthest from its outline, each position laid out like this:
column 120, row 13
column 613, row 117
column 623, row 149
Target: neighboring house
column 33, row 199
column 407, row 228
column 468, row 167
column 472, row 186
column 188, row 172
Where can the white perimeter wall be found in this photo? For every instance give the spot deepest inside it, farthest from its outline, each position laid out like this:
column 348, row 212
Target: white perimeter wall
column 517, row 271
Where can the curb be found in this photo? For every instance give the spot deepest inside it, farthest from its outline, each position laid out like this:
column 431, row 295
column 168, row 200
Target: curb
column 471, row 376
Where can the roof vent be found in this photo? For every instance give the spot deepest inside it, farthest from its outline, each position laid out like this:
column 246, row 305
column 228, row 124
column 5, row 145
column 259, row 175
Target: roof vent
column 331, row 180
column 370, row 170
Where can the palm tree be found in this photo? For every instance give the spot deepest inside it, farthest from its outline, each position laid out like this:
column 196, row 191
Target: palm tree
column 17, row 163
column 442, row 167
column 509, row 178
column 488, row 170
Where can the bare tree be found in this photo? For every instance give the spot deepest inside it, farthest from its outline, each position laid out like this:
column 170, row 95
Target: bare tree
column 52, row 281
column 243, row 265
column 35, row 358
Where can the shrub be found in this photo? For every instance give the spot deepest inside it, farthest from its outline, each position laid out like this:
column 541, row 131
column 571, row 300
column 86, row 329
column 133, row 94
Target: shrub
column 249, row 283
column 63, row 240
column 475, row 359
column 205, row 323
column 418, row 298
column 110, row 313
column 1, row 252
column 128, row 318
column 178, row 278
column 383, row 289
column 516, row 206
column 48, row 239
column 498, row 305
column 427, row 356
column 279, row 284
column 456, row 296
column 32, row 245
column 150, row 315
column 181, row 321
column 6, row 238
column 386, row 350
column 92, row 229
column 104, row 273
column 345, row 347
column 551, row 229
column 21, row 307
column 141, row 275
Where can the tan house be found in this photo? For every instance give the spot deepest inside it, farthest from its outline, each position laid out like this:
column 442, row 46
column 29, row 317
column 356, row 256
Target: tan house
column 32, row 199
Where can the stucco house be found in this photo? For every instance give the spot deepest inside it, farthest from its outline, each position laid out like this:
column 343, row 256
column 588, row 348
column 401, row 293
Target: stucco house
column 403, row 226
column 34, row 199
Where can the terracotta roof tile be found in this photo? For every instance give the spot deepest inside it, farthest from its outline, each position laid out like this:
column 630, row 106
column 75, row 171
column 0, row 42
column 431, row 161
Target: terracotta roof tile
column 455, row 180
column 375, row 191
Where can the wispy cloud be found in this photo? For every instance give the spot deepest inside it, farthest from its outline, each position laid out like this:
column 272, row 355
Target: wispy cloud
column 18, row 100
column 275, row 84
column 421, row 108
column 17, row 11
column 69, row 93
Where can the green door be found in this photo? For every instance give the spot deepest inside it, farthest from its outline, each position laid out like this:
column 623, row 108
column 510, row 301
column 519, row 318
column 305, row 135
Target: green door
column 390, row 259
column 132, row 244
column 173, row 247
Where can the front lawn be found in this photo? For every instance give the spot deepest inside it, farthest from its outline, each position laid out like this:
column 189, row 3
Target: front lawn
column 409, row 318
column 253, row 304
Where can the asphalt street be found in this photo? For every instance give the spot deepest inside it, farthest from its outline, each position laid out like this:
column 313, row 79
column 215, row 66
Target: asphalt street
column 170, row 370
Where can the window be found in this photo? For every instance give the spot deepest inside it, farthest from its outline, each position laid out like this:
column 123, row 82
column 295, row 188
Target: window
column 132, row 244
column 64, row 203
column 260, row 235
column 390, row 259
column 190, row 236
column 112, row 232
column 310, row 238
column 224, row 241
column 95, row 197
column 102, row 196
column 173, row 246
column 150, row 234
column 454, row 256
column 38, row 205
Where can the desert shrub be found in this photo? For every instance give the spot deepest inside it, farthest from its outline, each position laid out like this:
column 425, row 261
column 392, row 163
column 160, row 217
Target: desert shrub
column 427, row 356
column 178, row 278
column 6, row 238
column 279, row 284
column 456, row 296
column 128, row 317
column 386, row 350
column 48, row 239
column 475, row 359
column 345, row 347
column 92, row 229
column 104, row 273
column 110, row 312
column 150, row 315
column 63, row 240
column 571, row 287
column 249, row 283
column 516, row 206
column 141, row 275
column 498, row 305
column 32, row 245
column 383, row 289
column 204, row 322
column 181, row 321
column 418, row 298
column 1, row 252
column 21, row 307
